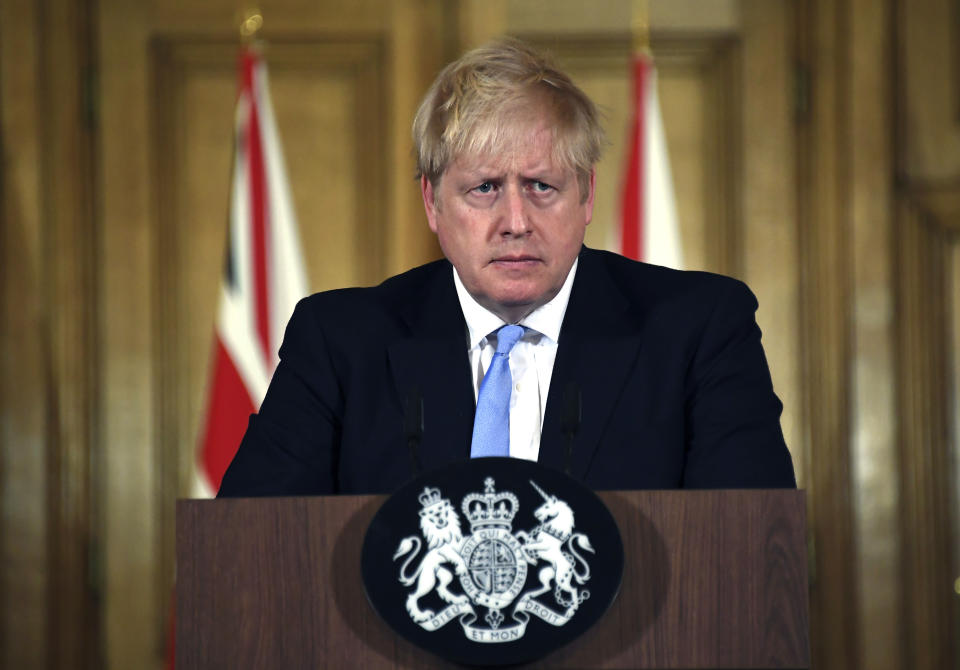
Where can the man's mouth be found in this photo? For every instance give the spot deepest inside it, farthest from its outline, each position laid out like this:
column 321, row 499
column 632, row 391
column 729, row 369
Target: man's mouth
column 520, row 259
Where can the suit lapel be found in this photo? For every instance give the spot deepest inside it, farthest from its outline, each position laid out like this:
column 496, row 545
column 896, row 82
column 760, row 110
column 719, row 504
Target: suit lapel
column 433, row 360
column 599, row 343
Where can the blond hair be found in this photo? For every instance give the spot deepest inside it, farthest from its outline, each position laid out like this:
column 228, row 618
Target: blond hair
column 485, row 102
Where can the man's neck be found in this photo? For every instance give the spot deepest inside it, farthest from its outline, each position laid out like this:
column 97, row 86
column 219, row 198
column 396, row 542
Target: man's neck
column 545, row 318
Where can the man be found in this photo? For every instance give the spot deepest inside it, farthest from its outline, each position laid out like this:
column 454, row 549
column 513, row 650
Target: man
column 674, row 384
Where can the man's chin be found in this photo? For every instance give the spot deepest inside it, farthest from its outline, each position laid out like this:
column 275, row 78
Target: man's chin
column 517, row 295
column 515, row 304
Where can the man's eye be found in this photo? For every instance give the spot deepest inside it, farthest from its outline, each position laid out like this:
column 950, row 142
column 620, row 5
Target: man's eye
column 541, row 187
column 485, row 187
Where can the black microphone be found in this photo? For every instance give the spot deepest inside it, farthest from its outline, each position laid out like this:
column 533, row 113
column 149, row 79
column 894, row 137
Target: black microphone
column 570, row 419
column 413, row 426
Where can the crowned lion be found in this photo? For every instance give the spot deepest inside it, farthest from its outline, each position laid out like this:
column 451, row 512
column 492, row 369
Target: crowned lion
column 440, row 526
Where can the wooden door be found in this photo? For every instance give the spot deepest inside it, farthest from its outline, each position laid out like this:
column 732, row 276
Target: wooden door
column 345, row 78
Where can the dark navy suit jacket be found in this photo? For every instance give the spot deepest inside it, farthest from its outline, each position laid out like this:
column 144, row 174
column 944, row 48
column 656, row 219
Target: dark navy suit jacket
column 675, row 387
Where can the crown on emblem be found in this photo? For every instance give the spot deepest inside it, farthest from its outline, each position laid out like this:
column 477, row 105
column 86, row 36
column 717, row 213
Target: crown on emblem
column 490, row 509
column 429, row 497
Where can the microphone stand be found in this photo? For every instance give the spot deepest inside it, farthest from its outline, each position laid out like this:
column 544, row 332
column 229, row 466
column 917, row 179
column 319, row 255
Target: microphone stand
column 570, row 419
column 413, row 426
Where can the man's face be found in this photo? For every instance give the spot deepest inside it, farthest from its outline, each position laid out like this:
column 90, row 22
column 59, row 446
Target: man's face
column 512, row 225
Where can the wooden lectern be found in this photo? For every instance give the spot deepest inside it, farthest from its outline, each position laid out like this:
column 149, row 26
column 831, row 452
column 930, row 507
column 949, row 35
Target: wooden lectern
column 713, row 579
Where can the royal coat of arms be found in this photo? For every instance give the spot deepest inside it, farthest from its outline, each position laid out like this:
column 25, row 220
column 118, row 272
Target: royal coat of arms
column 487, row 572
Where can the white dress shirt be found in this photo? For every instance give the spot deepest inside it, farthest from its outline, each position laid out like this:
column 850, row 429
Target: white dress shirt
column 531, row 360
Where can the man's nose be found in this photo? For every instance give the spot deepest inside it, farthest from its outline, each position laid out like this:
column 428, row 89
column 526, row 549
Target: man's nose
column 516, row 219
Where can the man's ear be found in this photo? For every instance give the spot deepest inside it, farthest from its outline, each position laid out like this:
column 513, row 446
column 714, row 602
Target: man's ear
column 588, row 203
column 429, row 202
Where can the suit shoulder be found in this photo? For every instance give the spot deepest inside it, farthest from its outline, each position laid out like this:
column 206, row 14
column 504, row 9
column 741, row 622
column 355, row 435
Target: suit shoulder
column 392, row 295
column 652, row 284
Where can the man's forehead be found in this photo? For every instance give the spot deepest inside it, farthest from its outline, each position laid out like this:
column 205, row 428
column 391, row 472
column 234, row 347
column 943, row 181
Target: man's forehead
column 523, row 158
column 512, row 164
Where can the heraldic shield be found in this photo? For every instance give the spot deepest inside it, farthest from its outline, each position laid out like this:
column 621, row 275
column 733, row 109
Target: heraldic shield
column 492, row 561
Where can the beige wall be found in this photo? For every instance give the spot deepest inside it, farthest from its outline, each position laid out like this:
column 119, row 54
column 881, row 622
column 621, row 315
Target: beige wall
column 816, row 154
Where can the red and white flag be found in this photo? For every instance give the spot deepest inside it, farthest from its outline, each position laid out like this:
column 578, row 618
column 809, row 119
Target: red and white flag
column 263, row 278
column 649, row 230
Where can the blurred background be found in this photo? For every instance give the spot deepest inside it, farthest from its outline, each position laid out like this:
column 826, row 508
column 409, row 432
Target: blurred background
column 815, row 148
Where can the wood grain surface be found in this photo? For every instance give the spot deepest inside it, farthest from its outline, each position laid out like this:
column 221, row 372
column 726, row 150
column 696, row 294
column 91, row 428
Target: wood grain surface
column 712, row 579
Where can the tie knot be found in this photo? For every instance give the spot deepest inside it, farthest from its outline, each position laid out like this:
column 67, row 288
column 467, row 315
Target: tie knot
column 507, row 336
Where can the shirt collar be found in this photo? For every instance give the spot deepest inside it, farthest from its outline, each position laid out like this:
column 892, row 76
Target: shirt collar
column 545, row 319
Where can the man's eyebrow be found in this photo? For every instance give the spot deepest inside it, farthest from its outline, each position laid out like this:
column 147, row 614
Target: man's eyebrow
column 552, row 175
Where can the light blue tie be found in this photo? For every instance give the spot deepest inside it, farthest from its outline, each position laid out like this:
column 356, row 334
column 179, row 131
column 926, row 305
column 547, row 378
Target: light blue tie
column 491, row 426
